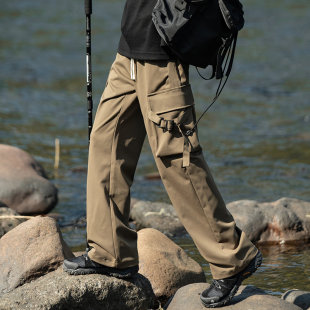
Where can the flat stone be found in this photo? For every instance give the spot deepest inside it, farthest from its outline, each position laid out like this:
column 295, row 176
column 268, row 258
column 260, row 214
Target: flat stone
column 247, row 298
column 23, row 183
column 298, row 298
column 165, row 264
column 29, row 251
column 58, row 290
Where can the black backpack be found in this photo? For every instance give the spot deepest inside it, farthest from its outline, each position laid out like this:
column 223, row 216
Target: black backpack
column 201, row 33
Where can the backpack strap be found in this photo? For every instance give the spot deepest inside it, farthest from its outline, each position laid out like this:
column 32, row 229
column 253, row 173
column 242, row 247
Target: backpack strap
column 228, row 51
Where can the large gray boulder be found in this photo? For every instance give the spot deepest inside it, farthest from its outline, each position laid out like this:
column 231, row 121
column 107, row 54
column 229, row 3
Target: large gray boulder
column 58, row 290
column 284, row 220
column 23, row 183
column 157, row 215
column 29, row 251
column 247, row 298
column 298, row 298
column 165, row 264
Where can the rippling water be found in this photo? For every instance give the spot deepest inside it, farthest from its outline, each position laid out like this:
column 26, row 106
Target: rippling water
column 256, row 139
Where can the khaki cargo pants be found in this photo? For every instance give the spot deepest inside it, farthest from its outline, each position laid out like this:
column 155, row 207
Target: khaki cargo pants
column 154, row 98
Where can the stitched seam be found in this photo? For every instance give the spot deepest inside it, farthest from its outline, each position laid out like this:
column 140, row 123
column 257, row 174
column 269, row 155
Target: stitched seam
column 173, row 75
column 168, row 90
column 112, row 162
column 201, row 205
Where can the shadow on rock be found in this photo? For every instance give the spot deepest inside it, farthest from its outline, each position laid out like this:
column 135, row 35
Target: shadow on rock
column 298, row 297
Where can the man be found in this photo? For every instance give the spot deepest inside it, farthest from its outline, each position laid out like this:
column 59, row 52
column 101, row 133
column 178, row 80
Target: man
column 148, row 92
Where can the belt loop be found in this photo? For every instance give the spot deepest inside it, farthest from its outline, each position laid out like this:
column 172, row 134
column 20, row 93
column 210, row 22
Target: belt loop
column 132, row 69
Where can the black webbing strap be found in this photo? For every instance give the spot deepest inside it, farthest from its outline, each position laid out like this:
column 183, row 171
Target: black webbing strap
column 227, row 50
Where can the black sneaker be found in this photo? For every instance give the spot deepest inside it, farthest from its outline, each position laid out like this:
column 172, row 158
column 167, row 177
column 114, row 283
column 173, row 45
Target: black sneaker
column 222, row 291
column 84, row 265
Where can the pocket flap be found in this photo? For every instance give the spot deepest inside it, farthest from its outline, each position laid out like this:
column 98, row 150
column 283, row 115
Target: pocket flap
column 171, row 99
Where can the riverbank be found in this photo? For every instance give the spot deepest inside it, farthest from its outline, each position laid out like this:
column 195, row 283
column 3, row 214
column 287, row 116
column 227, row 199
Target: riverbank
column 284, row 222
column 31, row 256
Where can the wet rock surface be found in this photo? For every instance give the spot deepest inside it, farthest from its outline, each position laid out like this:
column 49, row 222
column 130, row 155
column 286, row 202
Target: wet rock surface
column 58, row 290
column 23, row 183
column 247, row 298
column 165, row 264
column 298, row 298
column 29, row 251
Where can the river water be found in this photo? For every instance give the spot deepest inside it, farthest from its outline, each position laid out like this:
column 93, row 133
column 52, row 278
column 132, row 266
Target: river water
column 256, row 139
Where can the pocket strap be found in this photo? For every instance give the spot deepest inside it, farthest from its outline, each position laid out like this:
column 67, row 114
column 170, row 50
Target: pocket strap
column 166, row 125
column 154, row 117
column 186, row 148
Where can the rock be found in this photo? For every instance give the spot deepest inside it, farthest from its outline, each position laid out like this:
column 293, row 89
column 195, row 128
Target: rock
column 3, row 205
column 58, row 290
column 9, row 219
column 29, row 251
column 165, row 264
column 284, row 220
column 6, row 211
column 298, row 298
column 23, row 183
column 158, row 215
column 81, row 221
column 249, row 217
column 247, row 298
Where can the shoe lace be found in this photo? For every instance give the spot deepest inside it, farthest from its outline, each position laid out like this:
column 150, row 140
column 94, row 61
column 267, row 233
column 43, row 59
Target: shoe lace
column 219, row 284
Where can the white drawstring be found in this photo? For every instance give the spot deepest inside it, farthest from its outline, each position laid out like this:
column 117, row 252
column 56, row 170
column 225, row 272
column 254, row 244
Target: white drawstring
column 132, row 69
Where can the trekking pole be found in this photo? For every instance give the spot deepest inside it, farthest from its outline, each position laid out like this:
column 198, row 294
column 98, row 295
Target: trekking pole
column 88, row 11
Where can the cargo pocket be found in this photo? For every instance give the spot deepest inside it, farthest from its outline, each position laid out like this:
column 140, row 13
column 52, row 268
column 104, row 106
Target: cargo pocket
column 172, row 114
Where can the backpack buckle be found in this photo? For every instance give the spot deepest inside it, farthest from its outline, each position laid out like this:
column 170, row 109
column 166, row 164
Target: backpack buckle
column 180, row 5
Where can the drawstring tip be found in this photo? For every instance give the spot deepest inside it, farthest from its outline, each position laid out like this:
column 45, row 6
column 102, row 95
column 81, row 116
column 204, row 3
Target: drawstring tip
column 132, row 69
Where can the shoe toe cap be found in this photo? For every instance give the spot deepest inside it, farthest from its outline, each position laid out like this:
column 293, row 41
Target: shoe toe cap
column 68, row 264
column 209, row 300
column 210, row 295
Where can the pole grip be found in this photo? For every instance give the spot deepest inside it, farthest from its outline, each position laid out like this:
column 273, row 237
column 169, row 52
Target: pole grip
column 88, row 7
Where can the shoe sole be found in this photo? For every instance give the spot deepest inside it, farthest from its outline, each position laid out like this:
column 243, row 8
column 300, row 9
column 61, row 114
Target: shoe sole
column 104, row 271
column 248, row 271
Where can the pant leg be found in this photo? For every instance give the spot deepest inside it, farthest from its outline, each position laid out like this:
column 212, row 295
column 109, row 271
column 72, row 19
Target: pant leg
column 165, row 95
column 115, row 145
